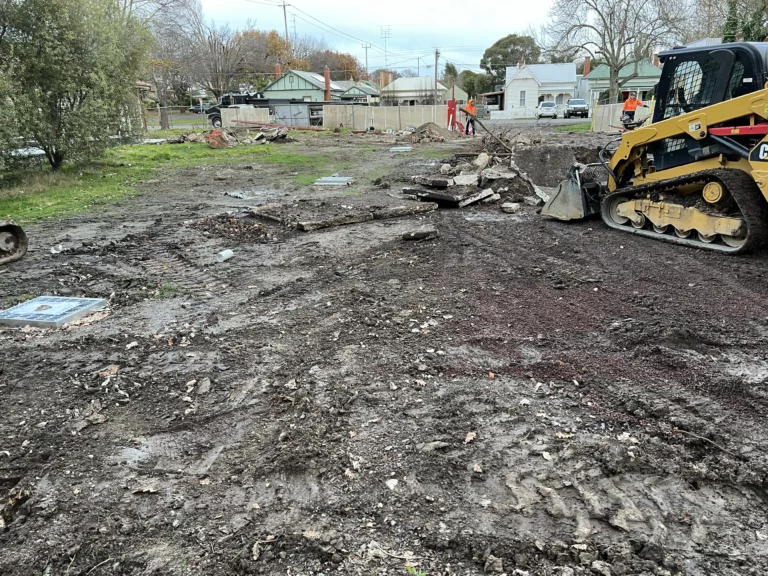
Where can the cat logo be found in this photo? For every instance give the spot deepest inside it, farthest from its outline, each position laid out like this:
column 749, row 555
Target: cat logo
column 759, row 153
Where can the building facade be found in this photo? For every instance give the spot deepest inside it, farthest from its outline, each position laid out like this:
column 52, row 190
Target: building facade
column 527, row 85
column 299, row 85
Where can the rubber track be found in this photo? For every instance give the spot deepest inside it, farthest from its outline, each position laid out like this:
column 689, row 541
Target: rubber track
column 741, row 186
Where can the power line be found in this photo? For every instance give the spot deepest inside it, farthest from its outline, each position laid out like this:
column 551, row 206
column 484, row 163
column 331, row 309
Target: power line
column 386, row 33
column 331, row 27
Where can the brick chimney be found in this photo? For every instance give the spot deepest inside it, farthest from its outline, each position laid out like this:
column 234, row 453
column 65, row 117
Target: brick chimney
column 656, row 62
column 278, row 71
column 327, row 84
column 587, row 66
column 521, row 63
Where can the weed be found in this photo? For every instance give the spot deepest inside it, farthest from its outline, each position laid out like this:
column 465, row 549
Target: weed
column 415, row 571
column 168, row 291
column 585, row 127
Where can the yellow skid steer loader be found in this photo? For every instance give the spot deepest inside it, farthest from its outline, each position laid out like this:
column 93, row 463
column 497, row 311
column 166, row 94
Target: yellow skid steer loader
column 697, row 175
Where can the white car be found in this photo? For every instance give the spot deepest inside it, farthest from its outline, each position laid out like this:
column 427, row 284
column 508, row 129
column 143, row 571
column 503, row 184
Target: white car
column 548, row 109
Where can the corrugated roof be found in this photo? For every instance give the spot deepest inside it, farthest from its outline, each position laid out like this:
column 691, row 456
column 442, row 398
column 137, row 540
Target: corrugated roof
column 560, row 73
column 317, row 79
column 418, row 84
column 364, row 89
column 645, row 69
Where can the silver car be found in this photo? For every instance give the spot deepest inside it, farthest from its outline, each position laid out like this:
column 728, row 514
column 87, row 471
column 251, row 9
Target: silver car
column 548, row 109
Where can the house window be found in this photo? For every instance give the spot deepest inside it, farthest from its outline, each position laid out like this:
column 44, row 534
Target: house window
column 522, row 97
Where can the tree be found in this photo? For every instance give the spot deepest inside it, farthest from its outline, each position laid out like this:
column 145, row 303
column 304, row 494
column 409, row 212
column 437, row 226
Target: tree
column 450, row 75
column 70, row 70
column 474, row 83
column 508, row 51
column 731, row 28
column 622, row 32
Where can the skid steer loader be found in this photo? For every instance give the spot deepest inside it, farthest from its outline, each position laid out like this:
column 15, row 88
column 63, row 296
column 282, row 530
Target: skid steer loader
column 13, row 242
column 697, row 175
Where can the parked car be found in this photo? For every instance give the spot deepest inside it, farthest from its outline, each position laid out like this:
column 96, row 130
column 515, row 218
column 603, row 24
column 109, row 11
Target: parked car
column 576, row 107
column 548, row 109
column 200, row 108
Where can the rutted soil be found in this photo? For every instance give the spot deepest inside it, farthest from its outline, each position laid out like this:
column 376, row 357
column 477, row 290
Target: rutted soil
column 518, row 396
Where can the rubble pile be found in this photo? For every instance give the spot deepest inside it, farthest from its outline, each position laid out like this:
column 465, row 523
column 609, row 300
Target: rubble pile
column 221, row 138
column 431, row 132
column 485, row 179
column 232, row 228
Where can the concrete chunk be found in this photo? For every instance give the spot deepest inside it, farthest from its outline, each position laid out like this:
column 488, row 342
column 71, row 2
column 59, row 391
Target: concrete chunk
column 468, row 180
column 423, row 234
column 511, row 207
column 476, row 197
column 433, row 181
column 481, row 162
column 399, row 211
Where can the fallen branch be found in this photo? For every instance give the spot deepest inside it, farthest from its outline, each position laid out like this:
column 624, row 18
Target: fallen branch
column 707, row 440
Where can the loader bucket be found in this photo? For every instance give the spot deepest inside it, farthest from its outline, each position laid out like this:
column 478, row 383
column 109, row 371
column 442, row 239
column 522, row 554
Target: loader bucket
column 13, row 242
column 568, row 201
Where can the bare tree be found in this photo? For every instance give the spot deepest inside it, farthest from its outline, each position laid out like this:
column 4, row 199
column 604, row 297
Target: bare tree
column 621, row 32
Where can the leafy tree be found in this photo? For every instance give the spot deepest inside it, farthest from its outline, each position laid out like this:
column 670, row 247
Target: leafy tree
column 755, row 27
column 70, row 70
column 450, row 74
column 474, row 83
column 508, row 51
column 731, row 28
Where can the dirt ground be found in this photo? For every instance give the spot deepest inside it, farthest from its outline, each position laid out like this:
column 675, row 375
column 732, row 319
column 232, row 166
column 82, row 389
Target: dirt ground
column 518, row 396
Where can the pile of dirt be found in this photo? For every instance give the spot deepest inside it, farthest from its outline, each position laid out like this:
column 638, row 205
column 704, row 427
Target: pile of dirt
column 234, row 228
column 431, row 132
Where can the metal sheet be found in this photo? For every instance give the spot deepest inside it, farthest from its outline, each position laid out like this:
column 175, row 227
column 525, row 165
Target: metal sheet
column 50, row 311
column 334, row 181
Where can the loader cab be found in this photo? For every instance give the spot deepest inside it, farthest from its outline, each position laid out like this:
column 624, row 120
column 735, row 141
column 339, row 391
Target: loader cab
column 694, row 78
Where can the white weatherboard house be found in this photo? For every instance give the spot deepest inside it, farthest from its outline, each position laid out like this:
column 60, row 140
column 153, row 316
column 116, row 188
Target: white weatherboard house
column 527, row 85
column 418, row 91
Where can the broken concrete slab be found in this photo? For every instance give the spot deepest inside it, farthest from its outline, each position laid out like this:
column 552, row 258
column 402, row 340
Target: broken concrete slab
column 452, row 196
column 432, row 181
column 491, row 199
column 51, row 311
column 399, row 211
column 481, row 162
column 466, row 180
column 354, row 218
column 511, row 207
column 334, row 181
column 422, row 234
column 476, row 197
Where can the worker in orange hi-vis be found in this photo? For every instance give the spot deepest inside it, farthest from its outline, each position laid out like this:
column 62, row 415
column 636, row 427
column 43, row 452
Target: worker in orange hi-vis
column 630, row 105
column 470, row 119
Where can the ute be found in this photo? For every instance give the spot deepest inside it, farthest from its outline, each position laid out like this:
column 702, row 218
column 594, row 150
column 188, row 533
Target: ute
column 697, row 175
column 13, row 242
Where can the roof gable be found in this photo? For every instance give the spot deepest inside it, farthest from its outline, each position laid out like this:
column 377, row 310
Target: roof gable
column 316, row 80
column 417, row 84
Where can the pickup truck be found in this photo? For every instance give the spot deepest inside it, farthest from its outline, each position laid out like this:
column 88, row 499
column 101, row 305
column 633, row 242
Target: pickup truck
column 576, row 107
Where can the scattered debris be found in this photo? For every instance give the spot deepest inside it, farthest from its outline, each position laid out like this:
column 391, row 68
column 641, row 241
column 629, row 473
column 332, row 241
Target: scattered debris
column 424, row 234
column 224, row 255
column 392, row 483
column 241, row 229
column 477, row 468
column 432, row 181
column 466, row 180
column 470, row 437
column 220, row 139
column 511, row 207
column 432, row 446
column 476, row 197
column 494, row 565
column 334, row 181
column 50, row 311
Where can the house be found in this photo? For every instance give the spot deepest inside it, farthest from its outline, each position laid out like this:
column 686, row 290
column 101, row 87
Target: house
column 420, row 90
column 362, row 92
column 647, row 77
column 299, row 85
column 529, row 84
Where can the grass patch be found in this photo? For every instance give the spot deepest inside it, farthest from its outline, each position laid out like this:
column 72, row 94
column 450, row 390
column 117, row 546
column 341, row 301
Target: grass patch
column 168, row 291
column 433, row 153
column 574, row 128
column 35, row 195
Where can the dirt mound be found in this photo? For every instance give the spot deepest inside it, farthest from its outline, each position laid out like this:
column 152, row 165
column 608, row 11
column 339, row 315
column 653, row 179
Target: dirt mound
column 431, row 132
column 233, row 228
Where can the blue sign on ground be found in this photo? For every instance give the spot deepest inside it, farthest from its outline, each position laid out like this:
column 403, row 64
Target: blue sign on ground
column 50, row 311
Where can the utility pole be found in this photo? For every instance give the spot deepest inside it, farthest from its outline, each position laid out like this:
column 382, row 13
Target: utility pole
column 285, row 18
column 294, row 27
column 386, row 33
column 366, row 46
column 437, row 56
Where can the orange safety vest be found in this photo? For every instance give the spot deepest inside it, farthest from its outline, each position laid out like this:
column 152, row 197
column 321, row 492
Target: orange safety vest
column 631, row 105
column 471, row 109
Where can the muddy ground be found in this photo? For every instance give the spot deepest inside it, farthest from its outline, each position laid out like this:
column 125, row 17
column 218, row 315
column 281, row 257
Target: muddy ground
column 518, row 396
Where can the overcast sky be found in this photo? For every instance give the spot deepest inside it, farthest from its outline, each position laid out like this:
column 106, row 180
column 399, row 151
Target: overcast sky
column 461, row 29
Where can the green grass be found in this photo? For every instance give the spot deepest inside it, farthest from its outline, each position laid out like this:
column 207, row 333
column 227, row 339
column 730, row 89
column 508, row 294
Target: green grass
column 433, row 153
column 168, row 291
column 585, row 127
column 35, row 195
